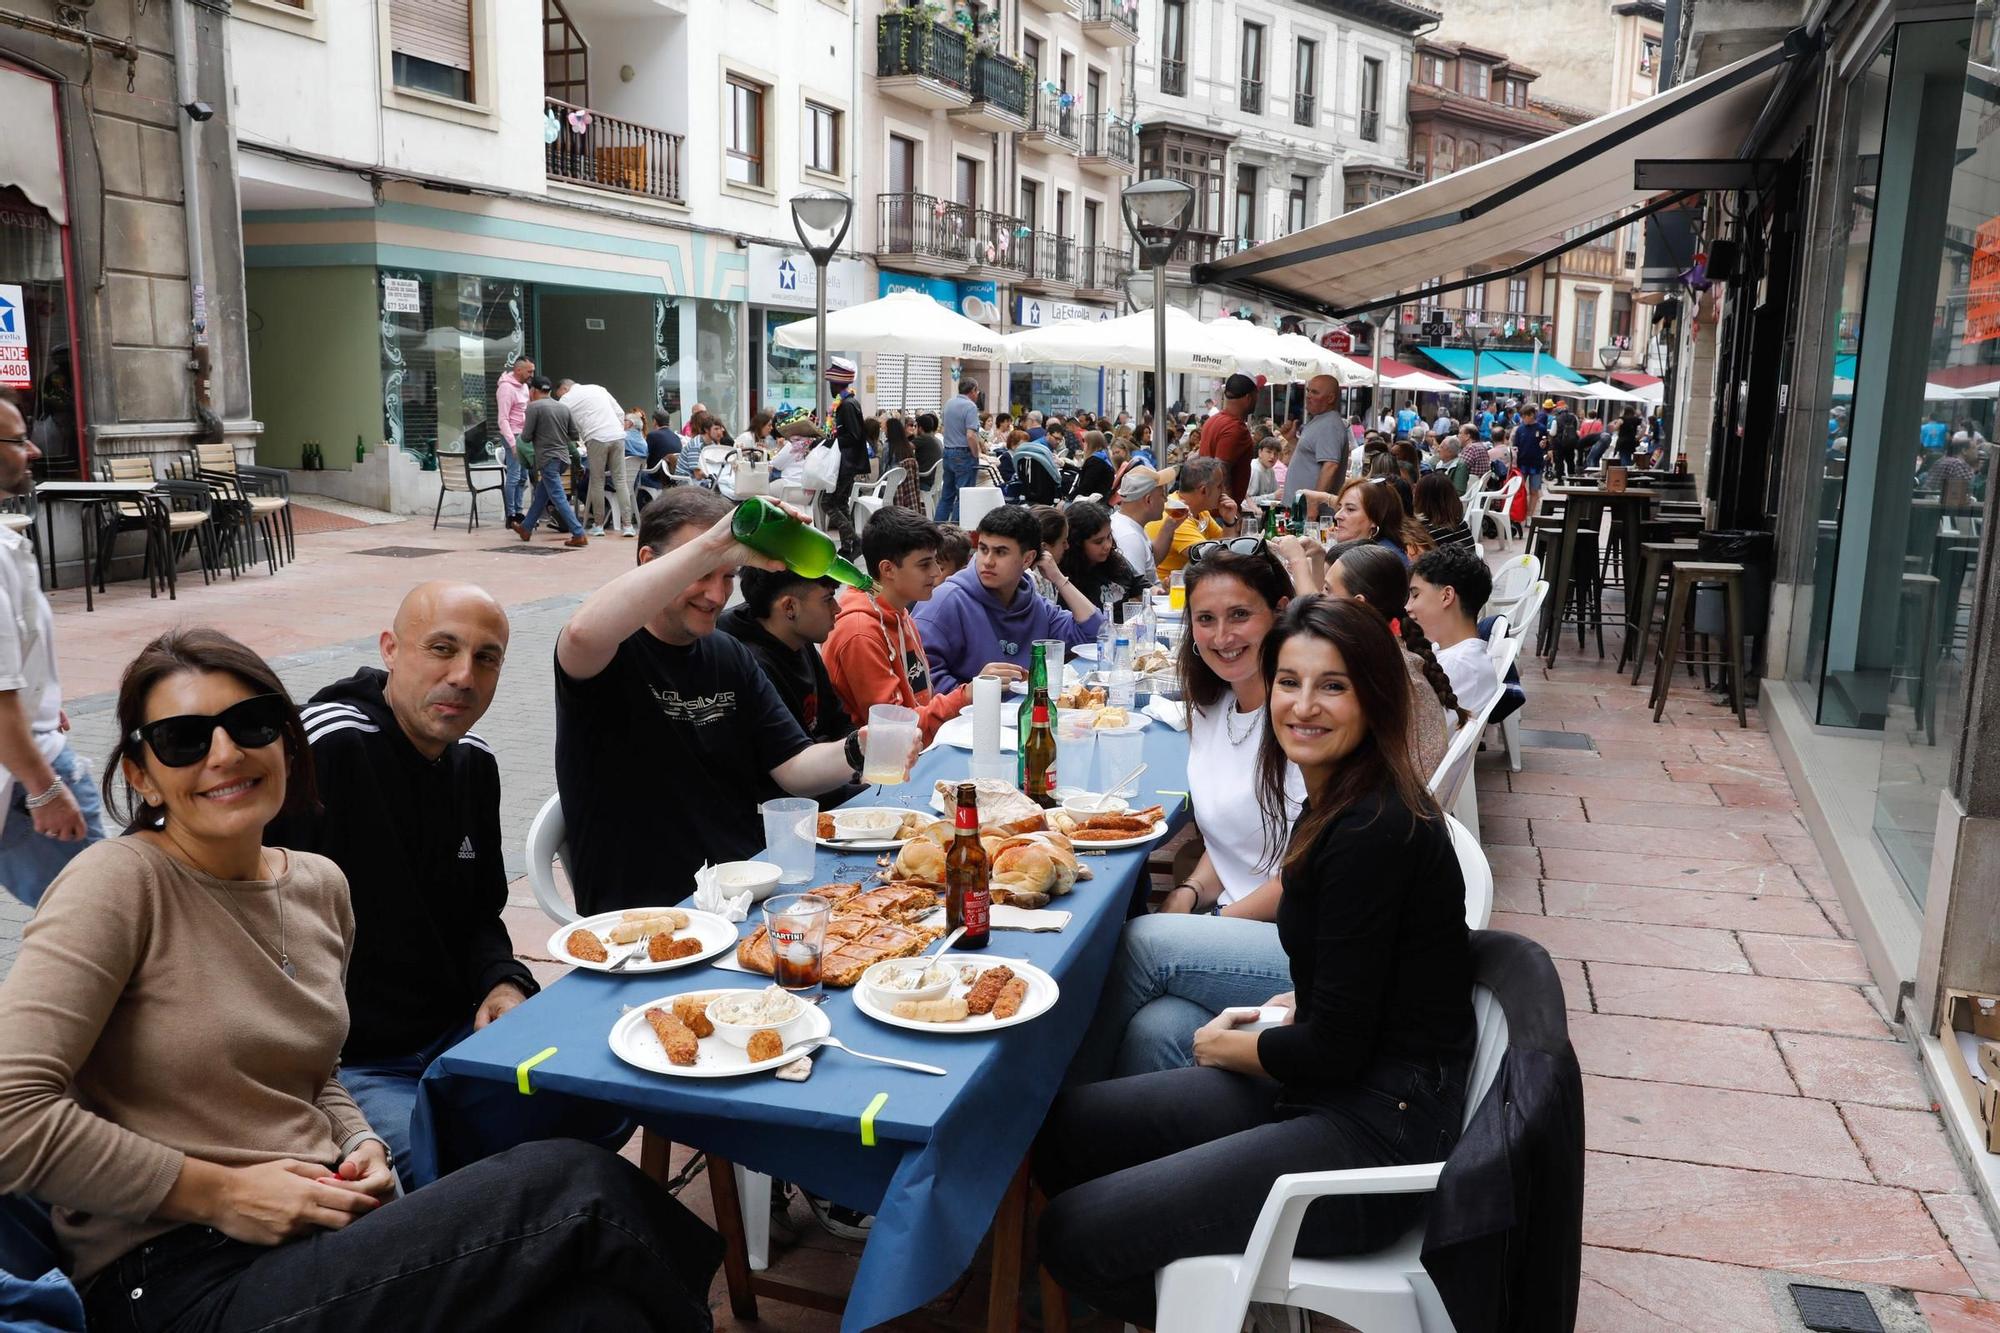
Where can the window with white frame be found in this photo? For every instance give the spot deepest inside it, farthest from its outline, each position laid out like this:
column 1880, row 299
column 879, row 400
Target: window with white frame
column 823, row 136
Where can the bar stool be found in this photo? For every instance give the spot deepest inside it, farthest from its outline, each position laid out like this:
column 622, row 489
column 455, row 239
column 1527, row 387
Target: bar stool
column 1660, row 559
column 1687, row 574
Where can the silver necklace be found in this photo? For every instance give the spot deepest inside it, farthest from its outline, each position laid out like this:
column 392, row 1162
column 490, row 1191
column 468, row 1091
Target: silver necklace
column 1229, row 721
column 278, row 888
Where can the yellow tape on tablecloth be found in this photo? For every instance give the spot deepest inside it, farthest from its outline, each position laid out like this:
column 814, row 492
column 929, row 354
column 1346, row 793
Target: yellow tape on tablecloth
column 868, row 1119
column 521, row 1070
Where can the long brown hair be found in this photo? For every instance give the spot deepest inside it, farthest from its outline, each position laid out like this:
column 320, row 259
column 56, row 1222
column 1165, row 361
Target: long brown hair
column 1262, row 575
column 1381, row 579
column 1374, row 665
column 198, row 649
column 1437, row 502
column 1381, row 502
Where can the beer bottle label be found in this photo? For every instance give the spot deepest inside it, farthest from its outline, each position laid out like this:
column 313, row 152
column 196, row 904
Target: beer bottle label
column 966, row 817
column 977, row 913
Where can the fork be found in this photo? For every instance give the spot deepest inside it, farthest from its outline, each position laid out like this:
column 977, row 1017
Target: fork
column 839, row 1045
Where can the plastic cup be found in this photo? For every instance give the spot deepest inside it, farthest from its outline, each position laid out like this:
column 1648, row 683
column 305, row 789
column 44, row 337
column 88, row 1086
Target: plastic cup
column 788, row 836
column 1177, row 591
column 892, row 730
column 1054, row 649
column 796, row 925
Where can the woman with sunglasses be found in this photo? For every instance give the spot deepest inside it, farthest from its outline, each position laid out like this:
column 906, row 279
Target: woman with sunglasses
column 1368, row 1065
column 168, row 1041
column 1364, row 572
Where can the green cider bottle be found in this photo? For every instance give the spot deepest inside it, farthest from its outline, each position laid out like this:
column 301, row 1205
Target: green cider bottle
column 770, row 529
column 1038, row 684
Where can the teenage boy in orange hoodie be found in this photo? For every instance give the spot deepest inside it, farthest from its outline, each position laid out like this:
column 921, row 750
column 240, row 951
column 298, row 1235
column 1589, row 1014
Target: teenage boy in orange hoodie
column 875, row 655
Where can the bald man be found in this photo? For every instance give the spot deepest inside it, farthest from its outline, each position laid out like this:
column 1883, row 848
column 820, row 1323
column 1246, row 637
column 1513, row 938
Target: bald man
column 1319, row 463
column 411, row 814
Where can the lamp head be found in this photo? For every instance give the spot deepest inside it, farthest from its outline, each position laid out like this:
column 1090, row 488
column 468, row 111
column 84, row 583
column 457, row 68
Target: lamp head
column 821, row 218
column 1157, row 213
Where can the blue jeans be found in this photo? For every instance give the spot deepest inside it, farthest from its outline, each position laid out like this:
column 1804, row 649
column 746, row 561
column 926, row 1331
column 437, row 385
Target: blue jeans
column 1173, row 973
column 959, row 471
column 29, row 862
column 510, row 485
column 549, row 494
column 386, row 1092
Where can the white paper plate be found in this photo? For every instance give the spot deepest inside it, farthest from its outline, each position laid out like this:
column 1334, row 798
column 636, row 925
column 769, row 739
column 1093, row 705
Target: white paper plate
column 1159, row 831
column 715, row 934
column 860, row 844
column 957, row 733
column 634, row 1042
column 1042, row 995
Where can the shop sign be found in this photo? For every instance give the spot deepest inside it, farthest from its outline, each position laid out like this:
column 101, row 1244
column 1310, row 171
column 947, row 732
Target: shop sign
column 979, row 301
column 778, row 276
column 1339, row 341
column 13, row 338
column 1982, row 295
column 401, row 296
column 1032, row 312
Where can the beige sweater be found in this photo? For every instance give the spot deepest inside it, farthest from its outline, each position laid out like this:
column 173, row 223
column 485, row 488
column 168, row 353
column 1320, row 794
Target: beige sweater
column 143, row 1024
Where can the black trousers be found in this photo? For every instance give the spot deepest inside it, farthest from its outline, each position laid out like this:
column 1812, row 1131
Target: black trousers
column 551, row 1235
column 1145, row 1170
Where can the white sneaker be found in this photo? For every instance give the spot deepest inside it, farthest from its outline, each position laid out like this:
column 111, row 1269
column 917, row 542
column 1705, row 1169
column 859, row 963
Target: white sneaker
column 596, row 530
column 631, row 530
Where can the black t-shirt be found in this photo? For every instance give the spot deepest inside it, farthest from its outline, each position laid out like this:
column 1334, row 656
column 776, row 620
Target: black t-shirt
column 662, row 759
column 1528, row 437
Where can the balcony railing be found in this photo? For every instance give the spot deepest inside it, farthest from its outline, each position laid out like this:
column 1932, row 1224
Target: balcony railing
column 907, row 43
column 1173, row 78
column 1252, row 100
column 1195, row 248
column 613, row 154
column 1051, row 117
column 1111, row 11
column 1001, row 82
column 1371, row 125
column 1052, row 258
column 1108, row 135
column 1305, row 109
column 923, row 225
column 1103, row 268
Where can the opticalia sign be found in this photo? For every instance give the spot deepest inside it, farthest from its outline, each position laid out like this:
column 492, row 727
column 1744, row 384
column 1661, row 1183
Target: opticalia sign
column 1032, row 312
column 978, row 301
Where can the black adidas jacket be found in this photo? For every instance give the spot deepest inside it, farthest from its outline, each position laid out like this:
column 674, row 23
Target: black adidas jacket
column 419, row 842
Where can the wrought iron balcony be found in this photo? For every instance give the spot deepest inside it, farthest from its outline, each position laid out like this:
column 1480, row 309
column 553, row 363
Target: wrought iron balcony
column 1051, row 124
column 1103, row 268
column 1371, row 126
column 592, row 148
column 1052, row 261
column 1173, row 78
column 1252, row 100
column 1113, row 22
column 910, row 46
column 1001, row 82
column 1305, row 109
column 926, row 232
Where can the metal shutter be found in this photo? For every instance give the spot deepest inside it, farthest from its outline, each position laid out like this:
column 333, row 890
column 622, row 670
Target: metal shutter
column 912, row 383
column 436, row 30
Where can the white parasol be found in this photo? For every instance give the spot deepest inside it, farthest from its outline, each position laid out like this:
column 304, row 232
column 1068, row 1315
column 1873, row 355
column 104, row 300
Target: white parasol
column 901, row 323
column 1125, row 343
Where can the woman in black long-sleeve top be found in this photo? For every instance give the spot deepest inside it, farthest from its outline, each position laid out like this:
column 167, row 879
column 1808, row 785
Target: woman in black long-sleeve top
column 1370, row 1068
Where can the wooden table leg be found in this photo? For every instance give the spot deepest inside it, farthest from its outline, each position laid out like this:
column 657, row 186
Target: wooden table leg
column 729, row 1221
column 1010, row 1225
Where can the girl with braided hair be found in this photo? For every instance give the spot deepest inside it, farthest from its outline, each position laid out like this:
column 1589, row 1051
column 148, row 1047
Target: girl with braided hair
column 1377, row 576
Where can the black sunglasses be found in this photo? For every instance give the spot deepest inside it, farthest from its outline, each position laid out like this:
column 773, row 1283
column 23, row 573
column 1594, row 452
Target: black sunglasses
column 180, row 742
column 1201, row 551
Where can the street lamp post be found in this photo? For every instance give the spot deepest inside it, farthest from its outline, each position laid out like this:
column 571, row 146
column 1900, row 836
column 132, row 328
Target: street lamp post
column 1476, row 334
column 1607, row 357
column 1157, row 212
column 821, row 218
column 1382, row 323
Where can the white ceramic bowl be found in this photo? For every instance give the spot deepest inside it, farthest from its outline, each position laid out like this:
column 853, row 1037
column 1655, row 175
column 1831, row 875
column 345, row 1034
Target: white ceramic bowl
column 865, row 825
column 890, row 995
column 760, row 877
column 1085, row 804
column 738, row 1034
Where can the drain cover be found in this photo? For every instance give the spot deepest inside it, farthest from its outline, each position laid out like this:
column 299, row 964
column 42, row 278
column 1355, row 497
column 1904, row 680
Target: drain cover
column 523, row 548
column 1835, row 1310
column 406, row 552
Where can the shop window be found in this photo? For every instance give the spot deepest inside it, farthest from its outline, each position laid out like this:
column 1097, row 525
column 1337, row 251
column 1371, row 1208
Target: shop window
column 743, row 154
column 430, row 42
column 446, row 340
column 38, row 358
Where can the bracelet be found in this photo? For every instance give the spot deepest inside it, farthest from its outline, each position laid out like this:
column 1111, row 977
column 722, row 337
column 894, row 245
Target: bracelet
column 56, row 789
column 852, row 751
column 1191, row 887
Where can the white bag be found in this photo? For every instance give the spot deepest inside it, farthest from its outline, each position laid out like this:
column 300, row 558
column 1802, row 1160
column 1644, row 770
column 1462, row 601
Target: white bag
column 748, row 478
column 823, row 467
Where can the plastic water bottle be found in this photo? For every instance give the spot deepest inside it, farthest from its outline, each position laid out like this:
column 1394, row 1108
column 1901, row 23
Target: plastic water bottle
column 1122, row 686
column 1107, row 626
column 1149, row 623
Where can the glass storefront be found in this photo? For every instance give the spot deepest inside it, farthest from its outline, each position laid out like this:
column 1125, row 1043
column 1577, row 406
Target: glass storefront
column 445, row 338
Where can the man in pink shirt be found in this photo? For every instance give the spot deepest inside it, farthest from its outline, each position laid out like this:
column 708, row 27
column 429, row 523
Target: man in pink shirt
column 512, row 393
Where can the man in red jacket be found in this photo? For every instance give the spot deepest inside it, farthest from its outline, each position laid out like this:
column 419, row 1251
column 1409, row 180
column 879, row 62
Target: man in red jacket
column 1225, row 436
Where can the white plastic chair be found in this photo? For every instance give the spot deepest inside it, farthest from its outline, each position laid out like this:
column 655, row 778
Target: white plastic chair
column 1511, row 582
column 1478, row 875
column 1452, row 783
column 865, row 500
column 1492, row 504
column 1384, row 1292
column 1505, row 652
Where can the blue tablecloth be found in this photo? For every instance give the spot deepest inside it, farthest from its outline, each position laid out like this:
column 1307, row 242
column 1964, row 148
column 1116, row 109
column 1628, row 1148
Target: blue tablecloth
column 945, row 1148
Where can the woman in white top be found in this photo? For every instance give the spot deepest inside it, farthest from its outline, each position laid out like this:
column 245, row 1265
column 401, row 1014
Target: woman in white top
column 1212, row 944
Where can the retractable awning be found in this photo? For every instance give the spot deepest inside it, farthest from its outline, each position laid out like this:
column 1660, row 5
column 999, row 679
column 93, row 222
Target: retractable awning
column 1534, row 201
column 1457, row 362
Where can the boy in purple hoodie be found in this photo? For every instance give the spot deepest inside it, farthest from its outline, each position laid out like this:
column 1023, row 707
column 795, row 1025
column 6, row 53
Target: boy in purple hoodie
column 989, row 611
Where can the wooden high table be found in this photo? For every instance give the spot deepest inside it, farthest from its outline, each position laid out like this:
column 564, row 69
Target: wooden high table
column 1629, row 509
column 85, row 494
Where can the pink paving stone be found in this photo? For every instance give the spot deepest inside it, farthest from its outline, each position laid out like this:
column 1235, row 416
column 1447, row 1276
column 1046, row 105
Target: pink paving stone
column 1764, row 760
column 1841, row 1230
column 1759, row 796
column 1684, row 907
column 1514, row 862
column 1964, row 1224
column 1958, row 1314
column 1720, row 1127
column 1665, row 1050
column 1812, row 959
column 1583, row 763
column 1646, row 815
column 1796, row 849
column 1517, row 895
column 1497, row 831
column 1576, row 987
column 1626, row 1292
column 1905, row 1148
column 1655, row 870
column 1740, row 774
column 1740, row 1001
column 1624, row 788
column 1716, row 844
column 1849, row 1069
column 1535, row 806
column 1626, row 942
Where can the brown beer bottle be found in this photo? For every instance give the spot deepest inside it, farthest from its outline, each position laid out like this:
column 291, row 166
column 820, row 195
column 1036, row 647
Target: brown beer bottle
column 968, row 899
column 1038, row 758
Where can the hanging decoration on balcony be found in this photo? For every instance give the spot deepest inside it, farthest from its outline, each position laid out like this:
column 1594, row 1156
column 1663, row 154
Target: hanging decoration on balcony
column 937, row 208
column 1066, row 101
column 579, row 120
column 989, row 252
column 1023, row 232
column 1049, row 86
column 551, row 127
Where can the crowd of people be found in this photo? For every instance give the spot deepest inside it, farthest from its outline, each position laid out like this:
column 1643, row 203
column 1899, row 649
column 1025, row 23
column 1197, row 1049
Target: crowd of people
column 270, row 850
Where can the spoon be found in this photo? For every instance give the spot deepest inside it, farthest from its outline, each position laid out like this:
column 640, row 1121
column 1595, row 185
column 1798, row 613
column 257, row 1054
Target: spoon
column 1103, row 802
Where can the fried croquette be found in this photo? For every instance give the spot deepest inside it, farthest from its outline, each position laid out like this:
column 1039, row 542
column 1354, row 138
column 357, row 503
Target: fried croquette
column 693, row 1011
column 680, row 1043
column 585, row 945
column 765, row 1044
column 1011, row 997
column 664, row 948
column 986, row 990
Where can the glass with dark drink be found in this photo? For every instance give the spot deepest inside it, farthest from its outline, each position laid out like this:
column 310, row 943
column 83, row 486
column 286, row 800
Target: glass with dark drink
column 796, row 925
column 968, row 899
